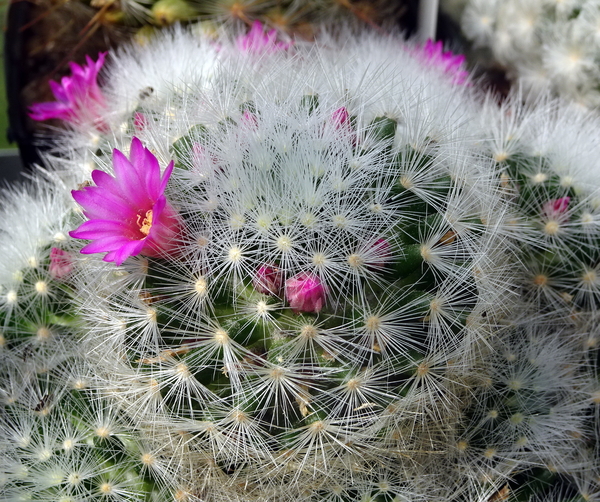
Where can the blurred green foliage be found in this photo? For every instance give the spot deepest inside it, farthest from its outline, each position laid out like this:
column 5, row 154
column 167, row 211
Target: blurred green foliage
column 3, row 100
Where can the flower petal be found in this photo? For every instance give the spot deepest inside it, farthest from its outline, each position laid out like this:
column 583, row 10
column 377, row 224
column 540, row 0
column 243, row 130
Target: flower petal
column 106, row 244
column 102, row 204
column 132, row 248
column 97, row 229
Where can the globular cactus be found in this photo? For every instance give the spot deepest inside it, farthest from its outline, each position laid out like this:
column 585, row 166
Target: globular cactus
column 304, row 276
column 542, row 45
column 308, row 328
column 546, row 152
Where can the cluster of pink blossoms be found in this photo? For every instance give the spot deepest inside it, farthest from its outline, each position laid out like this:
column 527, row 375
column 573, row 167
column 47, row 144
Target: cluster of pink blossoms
column 128, row 214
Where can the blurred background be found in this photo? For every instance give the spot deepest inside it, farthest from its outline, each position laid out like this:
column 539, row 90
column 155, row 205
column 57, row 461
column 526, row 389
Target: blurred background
column 10, row 161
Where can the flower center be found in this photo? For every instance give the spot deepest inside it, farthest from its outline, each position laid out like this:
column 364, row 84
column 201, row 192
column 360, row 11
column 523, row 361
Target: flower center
column 146, row 223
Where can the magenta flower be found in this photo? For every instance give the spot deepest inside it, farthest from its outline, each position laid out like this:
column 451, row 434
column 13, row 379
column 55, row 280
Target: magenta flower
column 259, row 41
column 78, row 97
column 61, row 264
column 267, row 280
column 128, row 215
column 305, row 293
column 432, row 53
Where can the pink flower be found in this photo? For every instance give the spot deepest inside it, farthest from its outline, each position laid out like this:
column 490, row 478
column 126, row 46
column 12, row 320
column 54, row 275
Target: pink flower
column 556, row 209
column 129, row 214
column 61, row 264
column 452, row 64
column 305, row 293
column 259, row 41
column 78, row 97
column 267, row 280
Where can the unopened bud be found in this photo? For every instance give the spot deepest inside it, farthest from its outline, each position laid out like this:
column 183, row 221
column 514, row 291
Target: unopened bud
column 267, row 280
column 556, row 208
column 380, row 253
column 249, row 120
column 140, row 121
column 305, row 293
column 61, row 264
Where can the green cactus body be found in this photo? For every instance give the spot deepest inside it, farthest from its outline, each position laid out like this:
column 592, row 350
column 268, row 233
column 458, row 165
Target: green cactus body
column 272, row 391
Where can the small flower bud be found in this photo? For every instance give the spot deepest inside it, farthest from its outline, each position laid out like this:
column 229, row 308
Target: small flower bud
column 380, row 253
column 203, row 163
column 61, row 264
column 557, row 208
column 340, row 118
column 140, row 121
column 249, row 120
column 267, row 280
column 168, row 12
column 305, row 293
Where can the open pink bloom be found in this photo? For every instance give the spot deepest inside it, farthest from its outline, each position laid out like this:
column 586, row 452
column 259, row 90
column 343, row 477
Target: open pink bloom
column 78, row 97
column 452, row 64
column 267, row 280
column 557, row 209
column 128, row 214
column 259, row 41
column 61, row 264
column 305, row 293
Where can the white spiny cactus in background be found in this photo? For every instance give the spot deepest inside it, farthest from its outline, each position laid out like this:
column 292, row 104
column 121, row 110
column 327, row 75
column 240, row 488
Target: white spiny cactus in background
column 312, row 272
column 544, row 44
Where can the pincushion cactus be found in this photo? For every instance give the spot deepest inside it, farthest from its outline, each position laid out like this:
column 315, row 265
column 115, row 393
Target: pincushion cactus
column 333, row 307
column 542, row 44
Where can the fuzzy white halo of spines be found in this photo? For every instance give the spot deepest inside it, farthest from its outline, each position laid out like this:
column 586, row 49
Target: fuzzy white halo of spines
column 288, row 184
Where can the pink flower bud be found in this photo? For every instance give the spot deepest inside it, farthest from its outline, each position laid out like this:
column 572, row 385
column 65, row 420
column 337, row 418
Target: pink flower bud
column 557, row 208
column 61, row 264
column 267, row 280
column 340, row 118
column 249, row 120
column 203, row 163
column 140, row 121
column 380, row 253
column 305, row 293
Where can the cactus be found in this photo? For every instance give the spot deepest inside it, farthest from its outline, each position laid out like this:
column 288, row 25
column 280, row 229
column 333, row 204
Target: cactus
column 304, row 279
column 59, row 441
column 542, row 45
